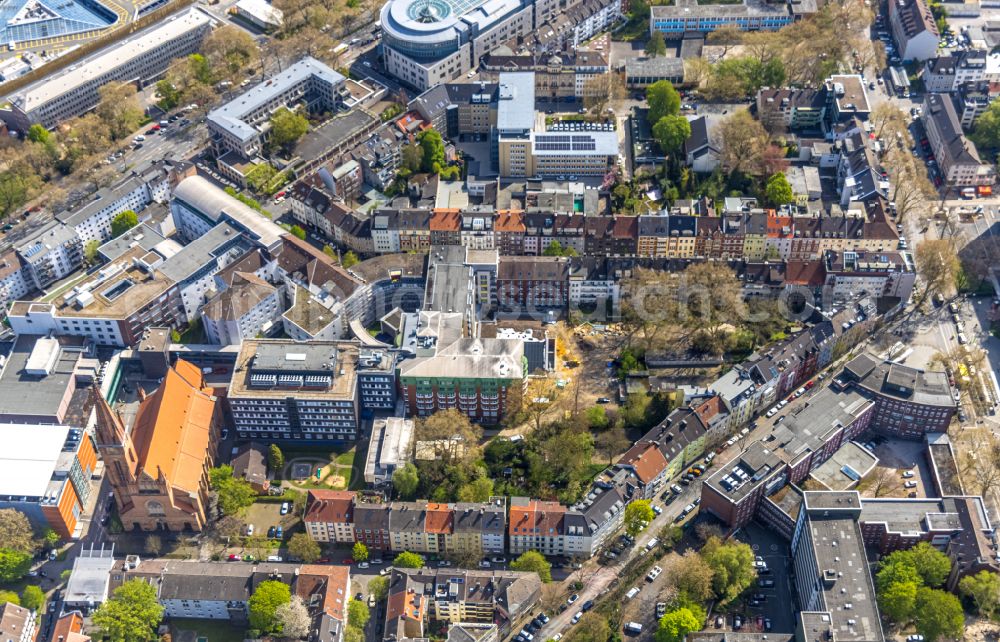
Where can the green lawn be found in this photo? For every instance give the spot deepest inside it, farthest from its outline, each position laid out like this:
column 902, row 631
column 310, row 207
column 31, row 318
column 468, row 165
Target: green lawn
column 212, row 630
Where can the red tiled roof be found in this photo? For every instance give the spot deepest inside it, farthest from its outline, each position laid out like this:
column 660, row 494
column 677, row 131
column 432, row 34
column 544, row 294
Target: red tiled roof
column 440, row 519
column 330, row 506
column 646, row 459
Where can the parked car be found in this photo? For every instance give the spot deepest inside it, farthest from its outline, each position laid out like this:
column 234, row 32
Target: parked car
column 572, row 598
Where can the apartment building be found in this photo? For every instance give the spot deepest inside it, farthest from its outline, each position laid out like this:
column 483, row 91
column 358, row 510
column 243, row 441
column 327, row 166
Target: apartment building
column 329, row 516
column 54, row 253
column 139, row 59
column 376, row 379
column 956, row 155
column 851, row 275
column 533, row 282
column 499, row 602
column 249, row 307
column 284, row 390
column 561, row 75
column 17, row 623
column 92, row 221
column 913, row 29
column 235, row 127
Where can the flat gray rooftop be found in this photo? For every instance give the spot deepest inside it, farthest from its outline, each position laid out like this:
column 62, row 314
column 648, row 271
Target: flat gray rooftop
column 230, row 116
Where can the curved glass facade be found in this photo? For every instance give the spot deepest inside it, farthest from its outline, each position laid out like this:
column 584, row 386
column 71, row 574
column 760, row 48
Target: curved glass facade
column 421, row 49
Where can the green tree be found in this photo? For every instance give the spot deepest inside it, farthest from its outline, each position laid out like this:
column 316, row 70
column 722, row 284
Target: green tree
column 13, row 564
column 987, row 131
column 533, row 562
column 15, row 531
column 10, row 596
column 349, row 260
column 275, row 458
column 656, row 45
column 305, row 548
column 33, row 597
column 357, row 614
column 406, row 480
column 406, row 559
column 38, row 134
column 478, row 490
column 983, row 589
column 287, row 127
column 638, row 515
column 263, row 604
column 131, row 615
column 675, row 625
column 298, row 232
column 90, row 251
column 170, row 96
column 896, row 569
column 235, row 494
column 412, row 157
column 597, row 418
column 932, row 565
column 897, row 600
column 671, row 132
column 123, row 222
column 432, row 147
column 360, row 552
column 778, row 190
column 379, row 587
column 692, row 576
column 663, row 100
column 200, row 69
column 732, row 567
column 938, row 614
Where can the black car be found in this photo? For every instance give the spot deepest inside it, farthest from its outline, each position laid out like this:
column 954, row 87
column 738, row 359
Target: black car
column 603, row 400
column 589, row 604
column 270, row 533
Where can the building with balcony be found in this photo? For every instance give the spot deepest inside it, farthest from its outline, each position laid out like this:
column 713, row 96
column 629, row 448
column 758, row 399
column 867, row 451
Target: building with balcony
column 287, row 391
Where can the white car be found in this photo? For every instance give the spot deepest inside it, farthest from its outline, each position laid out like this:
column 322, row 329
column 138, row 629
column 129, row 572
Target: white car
column 363, row 565
column 910, row 484
column 907, row 474
column 285, row 507
column 576, row 618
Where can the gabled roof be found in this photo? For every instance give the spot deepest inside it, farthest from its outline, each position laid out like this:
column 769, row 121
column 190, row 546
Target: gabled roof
column 173, row 428
column 330, row 506
column 645, row 459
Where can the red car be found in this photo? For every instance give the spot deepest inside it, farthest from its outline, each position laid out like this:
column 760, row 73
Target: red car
column 348, row 561
column 234, row 558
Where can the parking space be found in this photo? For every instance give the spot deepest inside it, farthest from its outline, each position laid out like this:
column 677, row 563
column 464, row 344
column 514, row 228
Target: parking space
column 771, row 601
column 902, row 470
column 267, row 518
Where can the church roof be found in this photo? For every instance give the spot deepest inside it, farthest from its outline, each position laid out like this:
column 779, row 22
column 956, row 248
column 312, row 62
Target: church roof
column 172, row 429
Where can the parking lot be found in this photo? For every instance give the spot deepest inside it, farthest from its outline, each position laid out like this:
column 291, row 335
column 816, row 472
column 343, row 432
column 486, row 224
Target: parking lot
column 266, row 516
column 779, row 605
column 908, row 473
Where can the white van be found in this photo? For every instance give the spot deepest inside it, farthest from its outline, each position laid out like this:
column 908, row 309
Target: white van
column 274, row 558
column 962, row 339
column 634, row 628
column 632, row 592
